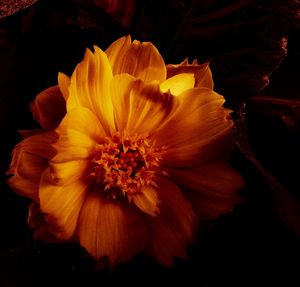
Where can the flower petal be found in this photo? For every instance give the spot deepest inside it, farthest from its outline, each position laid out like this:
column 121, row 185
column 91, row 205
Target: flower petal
column 79, row 132
column 212, row 188
column 175, row 228
column 202, row 73
column 141, row 60
column 48, row 108
column 84, row 121
column 178, row 83
column 66, row 172
column 198, row 131
column 29, row 160
column 139, row 108
column 62, row 204
column 147, row 200
column 64, row 84
column 89, row 87
column 73, row 145
column 37, row 220
column 107, row 228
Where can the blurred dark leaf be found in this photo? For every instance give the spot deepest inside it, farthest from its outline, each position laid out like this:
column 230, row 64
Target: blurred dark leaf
column 283, row 203
column 9, row 7
column 245, row 40
column 99, row 26
column 285, row 110
column 94, row 13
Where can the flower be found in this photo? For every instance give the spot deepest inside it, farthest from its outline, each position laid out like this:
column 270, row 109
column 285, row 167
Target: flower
column 133, row 153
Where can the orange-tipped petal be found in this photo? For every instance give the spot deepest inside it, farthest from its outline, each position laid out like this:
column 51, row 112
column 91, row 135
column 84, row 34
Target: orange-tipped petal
column 198, row 131
column 202, row 73
column 111, row 229
column 139, row 108
column 29, row 160
column 141, row 60
column 64, row 84
column 89, row 87
column 174, row 229
column 212, row 188
column 62, row 204
column 49, row 108
column 147, row 200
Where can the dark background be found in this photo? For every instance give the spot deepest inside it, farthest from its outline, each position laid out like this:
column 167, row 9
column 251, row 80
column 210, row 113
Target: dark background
column 254, row 50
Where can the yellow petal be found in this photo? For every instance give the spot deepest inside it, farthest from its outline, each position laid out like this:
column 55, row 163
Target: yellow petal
column 74, row 151
column 108, row 228
column 29, row 160
column 79, row 132
column 212, row 188
column 147, row 200
column 120, row 92
column 62, row 204
column 48, row 108
column 89, row 87
column 73, row 145
column 174, row 229
column 84, row 121
column 68, row 171
column 202, row 73
column 64, row 84
column 178, row 83
column 198, row 131
column 139, row 108
column 141, row 60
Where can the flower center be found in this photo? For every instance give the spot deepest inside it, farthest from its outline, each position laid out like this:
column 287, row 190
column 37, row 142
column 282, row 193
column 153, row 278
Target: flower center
column 121, row 166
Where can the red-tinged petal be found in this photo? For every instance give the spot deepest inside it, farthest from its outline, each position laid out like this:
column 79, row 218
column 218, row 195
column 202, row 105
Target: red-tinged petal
column 202, row 73
column 174, row 229
column 29, row 133
column 64, row 84
column 49, row 108
column 62, row 204
column 198, row 131
column 111, row 229
column 147, row 200
column 141, row 60
column 139, row 108
column 37, row 220
column 212, row 188
column 89, row 87
column 29, row 160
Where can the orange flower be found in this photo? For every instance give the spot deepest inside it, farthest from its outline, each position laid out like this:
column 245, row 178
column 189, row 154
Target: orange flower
column 133, row 154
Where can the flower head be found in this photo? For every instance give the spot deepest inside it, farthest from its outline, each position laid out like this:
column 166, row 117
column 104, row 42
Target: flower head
column 133, row 153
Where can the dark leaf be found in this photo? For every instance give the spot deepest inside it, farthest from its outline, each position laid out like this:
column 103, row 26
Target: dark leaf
column 92, row 16
column 283, row 203
column 245, row 40
column 9, row 7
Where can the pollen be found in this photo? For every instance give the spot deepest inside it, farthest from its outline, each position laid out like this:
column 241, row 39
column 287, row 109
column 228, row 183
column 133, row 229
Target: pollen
column 121, row 166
